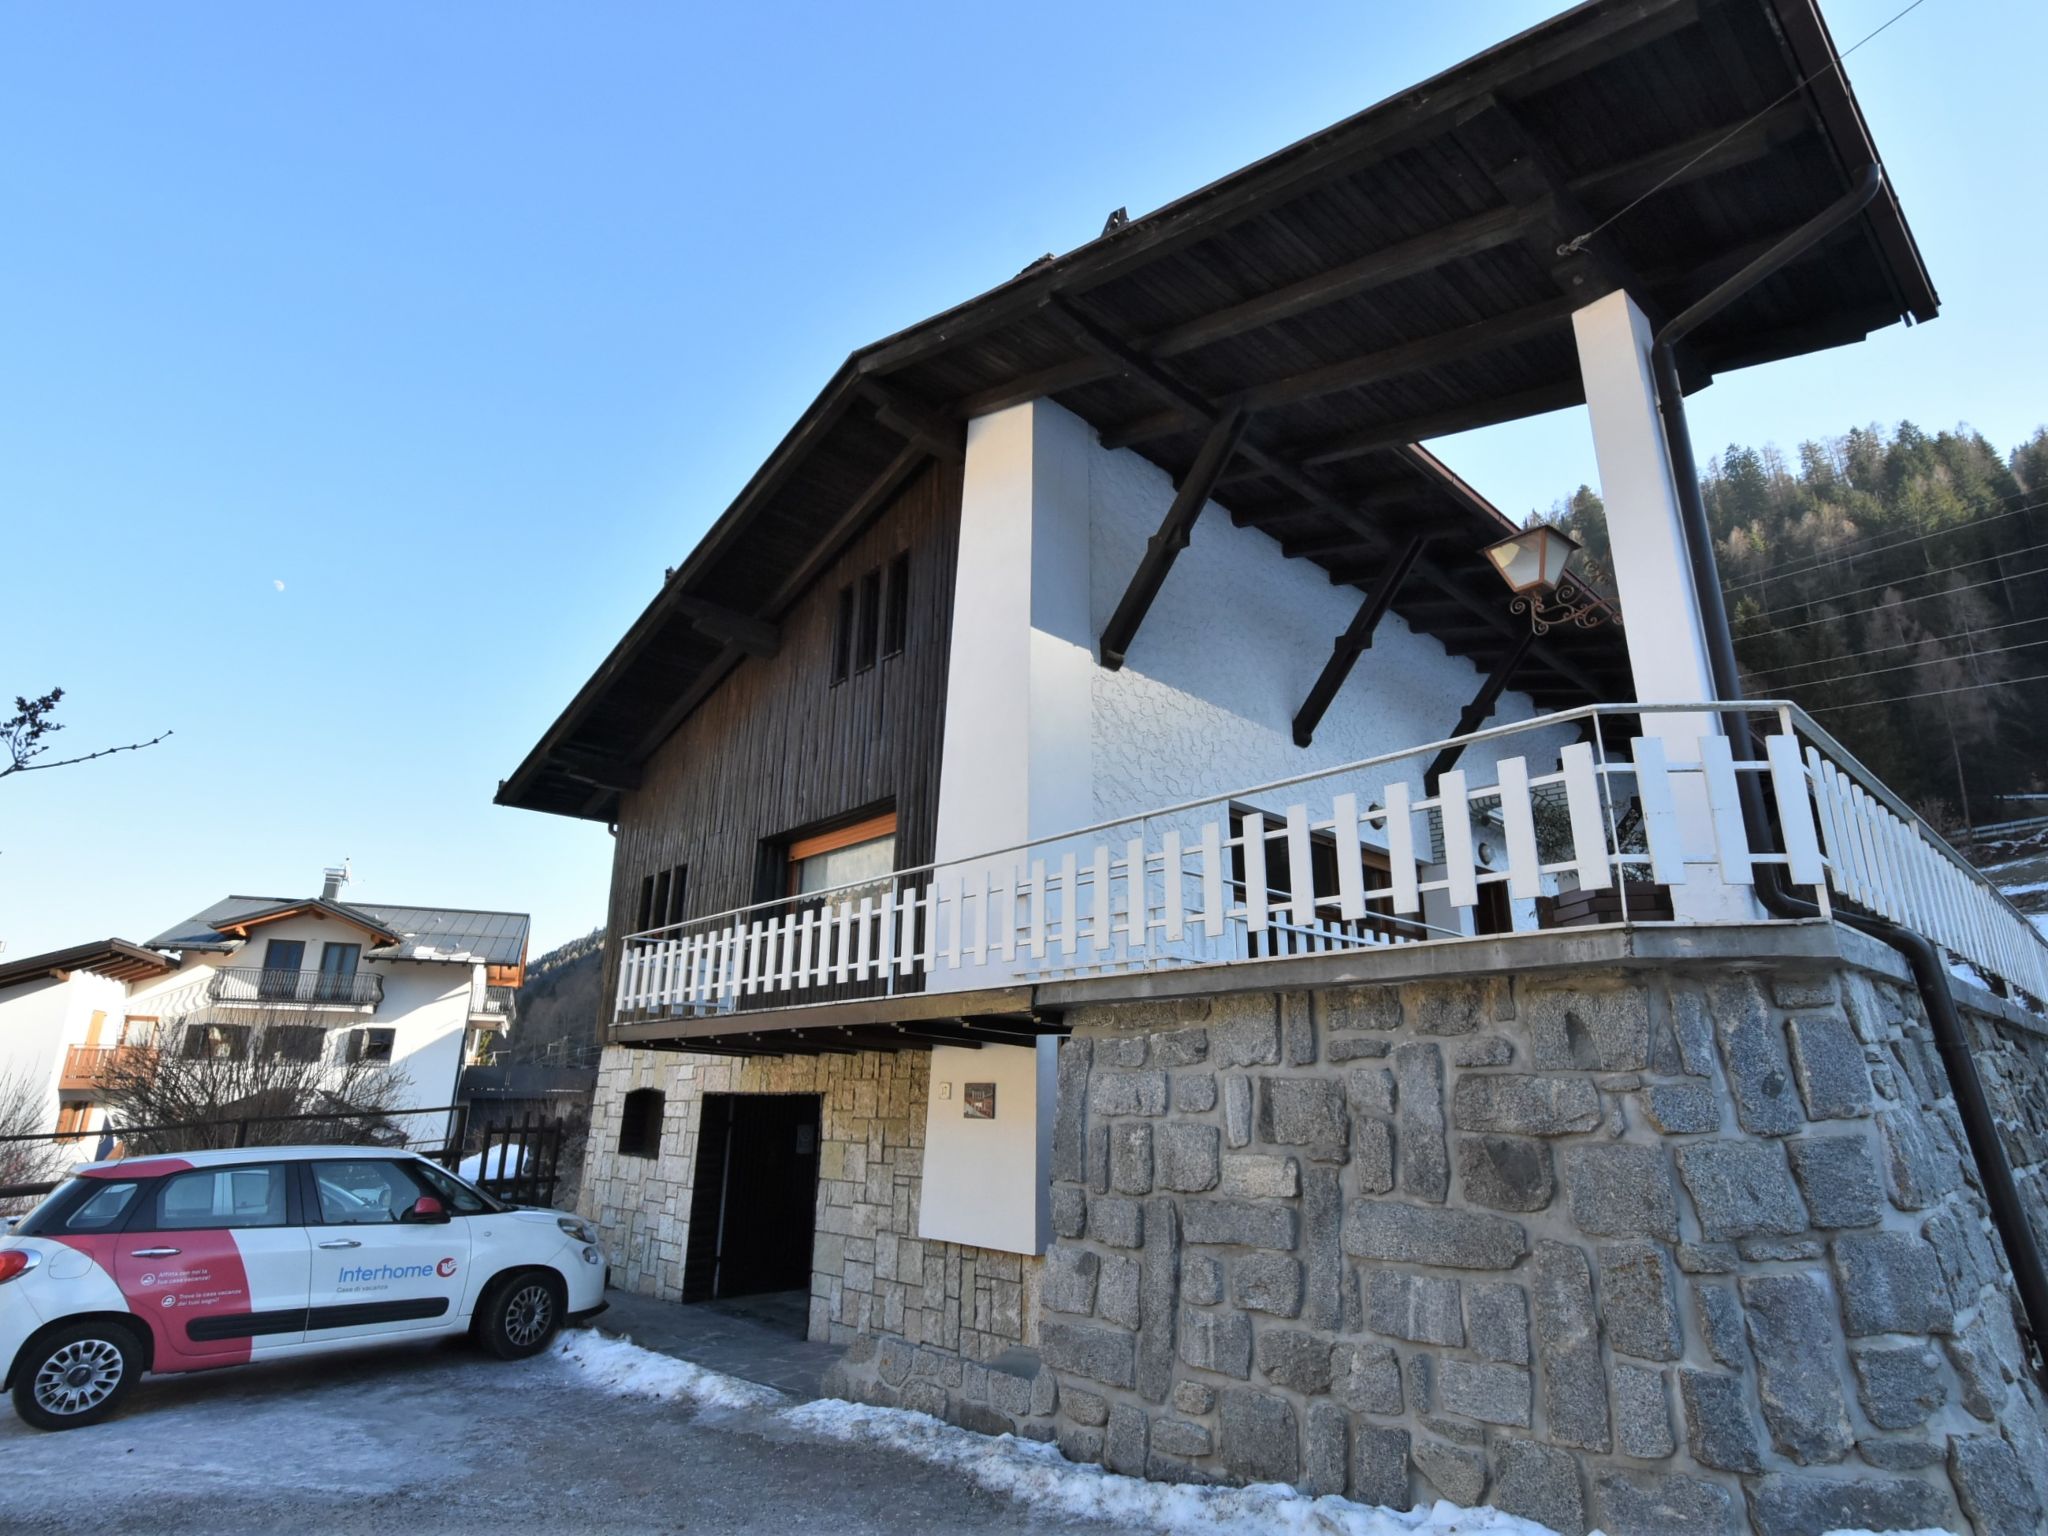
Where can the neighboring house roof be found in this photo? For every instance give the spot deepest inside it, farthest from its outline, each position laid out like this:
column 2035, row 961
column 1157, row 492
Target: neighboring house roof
column 115, row 958
column 407, row 933
column 1391, row 279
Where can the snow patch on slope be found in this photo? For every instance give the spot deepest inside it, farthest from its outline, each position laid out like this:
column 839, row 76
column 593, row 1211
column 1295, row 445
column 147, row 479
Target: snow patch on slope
column 1039, row 1476
column 623, row 1368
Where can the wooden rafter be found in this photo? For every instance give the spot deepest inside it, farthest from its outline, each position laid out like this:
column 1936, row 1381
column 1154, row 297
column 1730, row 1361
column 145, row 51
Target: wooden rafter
column 1091, row 332
column 1482, row 706
column 757, row 637
column 1175, row 530
column 1353, row 643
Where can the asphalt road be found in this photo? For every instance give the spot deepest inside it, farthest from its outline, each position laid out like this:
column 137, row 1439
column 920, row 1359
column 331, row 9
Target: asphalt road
column 420, row 1439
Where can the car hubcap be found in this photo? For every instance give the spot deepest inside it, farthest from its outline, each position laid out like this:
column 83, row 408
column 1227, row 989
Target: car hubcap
column 528, row 1315
column 78, row 1377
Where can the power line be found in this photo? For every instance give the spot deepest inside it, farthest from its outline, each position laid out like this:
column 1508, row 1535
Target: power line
column 1931, row 693
column 1573, row 246
column 1858, row 554
column 1836, row 618
column 1899, row 645
column 1940, row 570
column 1908, row 666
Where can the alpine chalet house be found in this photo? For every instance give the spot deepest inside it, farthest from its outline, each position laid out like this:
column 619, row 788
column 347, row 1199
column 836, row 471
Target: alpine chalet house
column 1183, row 932
column 314, row 980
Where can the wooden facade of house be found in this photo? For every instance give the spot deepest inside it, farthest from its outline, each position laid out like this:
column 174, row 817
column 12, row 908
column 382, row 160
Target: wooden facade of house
column 781, row 748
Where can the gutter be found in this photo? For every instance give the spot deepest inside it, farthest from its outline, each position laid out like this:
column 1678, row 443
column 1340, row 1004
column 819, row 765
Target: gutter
column 1930, row 970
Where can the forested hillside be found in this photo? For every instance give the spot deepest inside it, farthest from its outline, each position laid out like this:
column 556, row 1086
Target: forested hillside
column 556, row 1018
column 1896, row 585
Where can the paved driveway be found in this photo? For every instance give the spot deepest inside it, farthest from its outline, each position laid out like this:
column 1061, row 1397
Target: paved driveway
column 431, row 1438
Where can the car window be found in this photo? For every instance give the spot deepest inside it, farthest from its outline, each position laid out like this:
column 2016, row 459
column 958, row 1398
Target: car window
column 364, row 1192
column 456, row 1195
column 103, row 1209
column 222, row 1197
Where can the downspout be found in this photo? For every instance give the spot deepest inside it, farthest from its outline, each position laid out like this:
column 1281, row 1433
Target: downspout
column 1930, row 970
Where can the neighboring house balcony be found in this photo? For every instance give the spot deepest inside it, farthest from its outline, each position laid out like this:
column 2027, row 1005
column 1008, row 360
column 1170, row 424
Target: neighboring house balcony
column 89, row 1068
column 491, row 1007
column 1607, row 817
column 255, row 987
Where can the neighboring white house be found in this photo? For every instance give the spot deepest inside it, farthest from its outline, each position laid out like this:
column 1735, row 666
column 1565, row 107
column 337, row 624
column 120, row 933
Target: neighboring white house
column 315, row 978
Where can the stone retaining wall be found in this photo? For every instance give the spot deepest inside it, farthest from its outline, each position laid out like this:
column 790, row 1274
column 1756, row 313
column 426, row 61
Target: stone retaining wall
column 1664, row 1252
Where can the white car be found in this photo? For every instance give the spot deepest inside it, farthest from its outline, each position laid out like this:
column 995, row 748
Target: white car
column 205, row 1259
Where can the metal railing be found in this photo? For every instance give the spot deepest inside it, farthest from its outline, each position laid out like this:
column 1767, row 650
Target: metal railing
column 1373, row 853
column 259, row 987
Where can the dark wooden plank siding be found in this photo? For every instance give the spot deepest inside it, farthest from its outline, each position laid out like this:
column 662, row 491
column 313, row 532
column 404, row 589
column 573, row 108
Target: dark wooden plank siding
column 778, row 746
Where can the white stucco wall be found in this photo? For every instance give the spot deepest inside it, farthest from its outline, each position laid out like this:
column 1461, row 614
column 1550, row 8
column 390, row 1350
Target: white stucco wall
column 39, row 1019
column 985, row 1181
column 1040, row 739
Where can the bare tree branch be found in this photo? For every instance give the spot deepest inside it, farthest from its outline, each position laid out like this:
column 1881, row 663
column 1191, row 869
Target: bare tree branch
column 22, row 736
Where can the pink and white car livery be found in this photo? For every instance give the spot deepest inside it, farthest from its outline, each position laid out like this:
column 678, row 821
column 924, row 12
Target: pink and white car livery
column 205, row 1259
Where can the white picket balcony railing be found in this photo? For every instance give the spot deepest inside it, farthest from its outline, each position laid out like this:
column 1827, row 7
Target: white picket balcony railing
column 1541, row 832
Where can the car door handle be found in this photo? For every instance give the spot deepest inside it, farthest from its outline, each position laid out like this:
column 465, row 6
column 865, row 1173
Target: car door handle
column 342, row 1242
column 154, row 1253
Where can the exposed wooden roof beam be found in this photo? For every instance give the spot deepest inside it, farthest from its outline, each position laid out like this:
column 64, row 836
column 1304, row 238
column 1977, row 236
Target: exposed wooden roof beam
column 1482, row 706
column 1091, row 332
column 1569, row 49
column 757, row 637
column 1353, row 643
column 1175, row 530
column 939, row 434
column 1707, row 154
column 1424, row 352
column 1416, row 429
column 878, row 495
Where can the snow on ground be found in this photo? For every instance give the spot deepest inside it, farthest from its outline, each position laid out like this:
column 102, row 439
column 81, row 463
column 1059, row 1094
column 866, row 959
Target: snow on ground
column 472, row 1166
column 1038, row 1475
column 621, row 1367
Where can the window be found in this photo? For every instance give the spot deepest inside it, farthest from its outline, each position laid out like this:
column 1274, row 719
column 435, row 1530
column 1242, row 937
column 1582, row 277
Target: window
column 103, row 1209
column 1296, row 934
column 661, row 897
column 371, row 1045
column 216, row 1042
column 283, row 959
column 452, row 1192
column 842, row 636
column 871, row 620
column 338, row 971
column 896, row 608
column 294, row 1042
column 1493, row 914
column 222, row 1197
column 74, row 1120
column 640, row 1123
column 365, row 1192
column 864, row 851
column 868, row 631
column 138, row 1028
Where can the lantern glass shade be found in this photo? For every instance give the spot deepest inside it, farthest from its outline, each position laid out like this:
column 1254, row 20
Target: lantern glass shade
column 1534, row 559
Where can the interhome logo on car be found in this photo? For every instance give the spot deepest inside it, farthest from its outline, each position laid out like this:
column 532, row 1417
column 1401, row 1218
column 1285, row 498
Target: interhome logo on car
column 358, row 1273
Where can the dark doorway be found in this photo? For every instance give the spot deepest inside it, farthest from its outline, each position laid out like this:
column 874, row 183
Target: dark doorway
column 756, row 1196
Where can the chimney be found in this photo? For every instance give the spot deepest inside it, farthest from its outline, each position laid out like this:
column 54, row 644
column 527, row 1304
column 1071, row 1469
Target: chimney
column 332, row 880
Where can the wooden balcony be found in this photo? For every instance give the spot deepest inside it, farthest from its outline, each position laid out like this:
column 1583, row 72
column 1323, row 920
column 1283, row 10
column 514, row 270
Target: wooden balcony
column 1520, row 829
column 87, row 1068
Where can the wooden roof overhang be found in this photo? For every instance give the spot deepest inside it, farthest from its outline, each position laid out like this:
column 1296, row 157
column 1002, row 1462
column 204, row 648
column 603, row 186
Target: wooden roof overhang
column 1407, row 273
column 114, row 958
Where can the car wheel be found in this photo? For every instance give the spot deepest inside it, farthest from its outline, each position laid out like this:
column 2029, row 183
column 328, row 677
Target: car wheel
column 75, row 1375
column 520, row 1315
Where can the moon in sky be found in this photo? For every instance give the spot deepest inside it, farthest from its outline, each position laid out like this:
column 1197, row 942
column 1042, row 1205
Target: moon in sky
column 277, row 584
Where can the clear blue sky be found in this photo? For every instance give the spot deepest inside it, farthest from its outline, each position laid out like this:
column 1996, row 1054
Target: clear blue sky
column 462, row 321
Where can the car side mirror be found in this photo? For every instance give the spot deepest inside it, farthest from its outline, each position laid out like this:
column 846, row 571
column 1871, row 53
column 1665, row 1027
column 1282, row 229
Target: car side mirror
column 427, row 1208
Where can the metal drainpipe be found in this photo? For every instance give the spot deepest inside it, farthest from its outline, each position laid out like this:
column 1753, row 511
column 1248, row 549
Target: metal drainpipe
column 1930, row 970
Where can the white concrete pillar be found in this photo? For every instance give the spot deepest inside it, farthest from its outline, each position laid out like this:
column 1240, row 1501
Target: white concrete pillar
column 1667, row 640
column 1020, row 676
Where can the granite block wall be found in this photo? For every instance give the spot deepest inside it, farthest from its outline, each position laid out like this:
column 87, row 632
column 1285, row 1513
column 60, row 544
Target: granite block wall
column 871, row 1273
column 1669, row 1253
